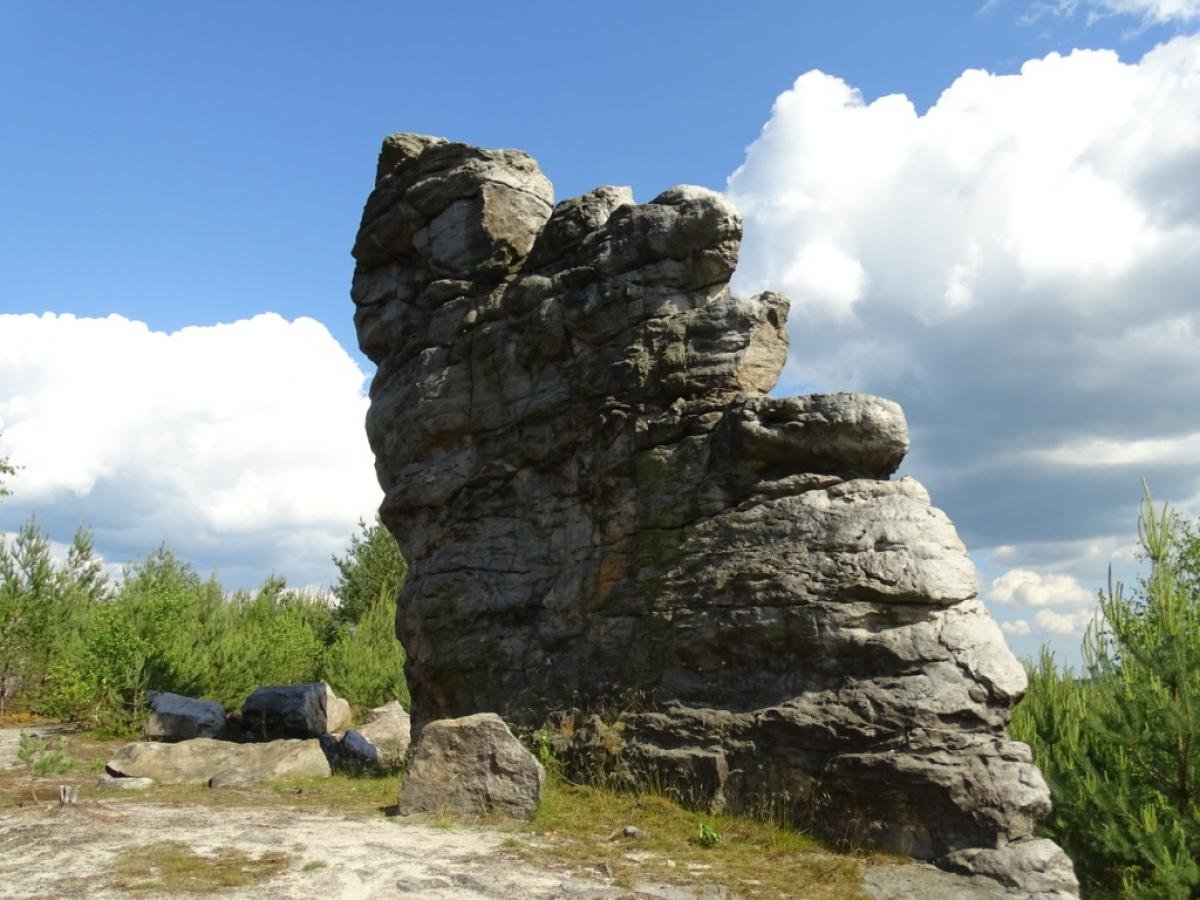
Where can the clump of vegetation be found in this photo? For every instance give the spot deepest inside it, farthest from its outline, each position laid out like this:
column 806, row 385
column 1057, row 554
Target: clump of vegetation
column 75, row 646
column 1120, row 744
column 172, row 867
column 41, row 756
column 706, row 835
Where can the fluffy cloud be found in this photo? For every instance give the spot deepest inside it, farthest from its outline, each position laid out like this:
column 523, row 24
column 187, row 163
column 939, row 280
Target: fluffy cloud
column 240, row 444
column 1017, row 266
column 1016, row 628
column 1033, row 589
column 1073, row 623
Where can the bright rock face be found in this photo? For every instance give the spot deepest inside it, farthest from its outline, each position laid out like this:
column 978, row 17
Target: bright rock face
column 603, row 512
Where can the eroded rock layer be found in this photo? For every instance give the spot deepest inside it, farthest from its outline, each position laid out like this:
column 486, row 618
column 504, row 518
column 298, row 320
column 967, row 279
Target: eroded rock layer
column 607, row 519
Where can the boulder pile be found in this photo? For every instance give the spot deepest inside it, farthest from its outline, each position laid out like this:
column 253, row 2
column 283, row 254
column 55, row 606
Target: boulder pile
column 282, row 731
column 608, row 521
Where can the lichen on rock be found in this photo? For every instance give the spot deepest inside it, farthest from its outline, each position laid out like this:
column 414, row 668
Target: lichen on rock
column 608, row 521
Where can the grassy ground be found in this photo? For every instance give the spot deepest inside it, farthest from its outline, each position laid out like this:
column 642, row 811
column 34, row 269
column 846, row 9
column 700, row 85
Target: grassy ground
column 578, row 828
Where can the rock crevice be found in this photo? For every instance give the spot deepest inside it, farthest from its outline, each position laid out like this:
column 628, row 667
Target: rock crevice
column 608, row 521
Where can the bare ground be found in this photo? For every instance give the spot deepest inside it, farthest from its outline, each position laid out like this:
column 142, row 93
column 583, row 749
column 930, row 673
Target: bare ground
column 76, row 852
column 104, row 846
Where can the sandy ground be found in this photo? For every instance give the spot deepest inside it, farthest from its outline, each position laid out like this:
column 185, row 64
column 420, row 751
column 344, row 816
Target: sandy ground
column 48, row 852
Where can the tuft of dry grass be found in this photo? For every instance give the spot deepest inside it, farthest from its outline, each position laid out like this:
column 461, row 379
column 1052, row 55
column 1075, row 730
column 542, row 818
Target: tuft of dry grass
column 173, row 867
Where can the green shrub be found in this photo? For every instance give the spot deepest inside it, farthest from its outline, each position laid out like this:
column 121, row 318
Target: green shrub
column 75, row 647
column 1120, row 746
column 43, row 757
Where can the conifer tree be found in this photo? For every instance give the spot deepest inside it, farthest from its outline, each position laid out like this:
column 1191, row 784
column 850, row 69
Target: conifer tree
column 373, row 565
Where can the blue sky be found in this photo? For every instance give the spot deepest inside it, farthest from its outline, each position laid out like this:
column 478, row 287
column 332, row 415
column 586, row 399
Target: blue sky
column 188, row 165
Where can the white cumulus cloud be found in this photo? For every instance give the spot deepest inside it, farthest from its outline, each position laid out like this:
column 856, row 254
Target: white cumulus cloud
column 240, row 444
column 1016, row 265
column 1034, row 589
column 1016, row 628
column 1052, row 622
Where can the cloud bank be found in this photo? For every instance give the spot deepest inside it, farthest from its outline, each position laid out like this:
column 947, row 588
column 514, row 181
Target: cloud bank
column 240, row 444
column 1018, row 267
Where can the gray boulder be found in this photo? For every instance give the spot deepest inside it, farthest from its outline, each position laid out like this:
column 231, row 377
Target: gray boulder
column 174, row 717
column 294, row 710
column 198, row 760
column 472, row 766
column 380, row 744
column 610, row 524
column 391, row 708
column 108, row 782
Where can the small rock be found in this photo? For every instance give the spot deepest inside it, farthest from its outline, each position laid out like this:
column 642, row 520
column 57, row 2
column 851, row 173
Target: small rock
column 123, row 783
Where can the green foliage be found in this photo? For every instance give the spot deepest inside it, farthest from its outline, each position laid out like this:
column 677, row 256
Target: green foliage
column 42, row 757
column 1120, row 747
column 372, row 567
column 706, row 835
column 366, row 662
column 76, row 647
column 6, row 470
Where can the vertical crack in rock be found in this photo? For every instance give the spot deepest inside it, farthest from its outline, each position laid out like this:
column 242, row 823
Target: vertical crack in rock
column 607, row 520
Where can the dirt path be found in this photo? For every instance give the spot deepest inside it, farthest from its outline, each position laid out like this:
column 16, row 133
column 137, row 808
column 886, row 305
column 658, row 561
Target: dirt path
column 48, row 852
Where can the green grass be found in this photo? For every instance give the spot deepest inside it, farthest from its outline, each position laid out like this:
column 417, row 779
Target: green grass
column 585, row 825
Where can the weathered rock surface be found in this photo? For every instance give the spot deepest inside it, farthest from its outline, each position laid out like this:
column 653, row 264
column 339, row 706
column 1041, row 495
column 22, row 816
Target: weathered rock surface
column 472, row 766
column 233, row 779
column 379, row 744
column 391, row 708
column 198, row 760
column 108, row 782
column 174, row 717
column 606, row 518
column 294, row 710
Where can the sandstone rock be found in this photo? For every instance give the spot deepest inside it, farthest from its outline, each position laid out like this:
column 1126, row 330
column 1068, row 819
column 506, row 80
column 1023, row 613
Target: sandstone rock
column 391, row 708
column 602, row 510
column 380, row 744
column 198, row 760
column 174, row 718
column 1037, row 866
column 295, row 710
column 233, row 779
column 109, row 782
column 472, row 766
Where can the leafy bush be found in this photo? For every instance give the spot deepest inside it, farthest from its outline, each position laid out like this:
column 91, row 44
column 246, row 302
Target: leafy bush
column 75, row 647
column 1120, row 746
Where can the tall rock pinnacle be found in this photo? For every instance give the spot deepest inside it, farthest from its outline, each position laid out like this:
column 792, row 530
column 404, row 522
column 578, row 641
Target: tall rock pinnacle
column 609, row 523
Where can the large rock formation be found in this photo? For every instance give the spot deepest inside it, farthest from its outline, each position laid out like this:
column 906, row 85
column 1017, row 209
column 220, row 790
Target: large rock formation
column 603, row 512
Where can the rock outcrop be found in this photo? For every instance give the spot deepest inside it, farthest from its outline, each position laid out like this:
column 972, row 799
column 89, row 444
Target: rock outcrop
column 472, row 766
column 607, row 519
